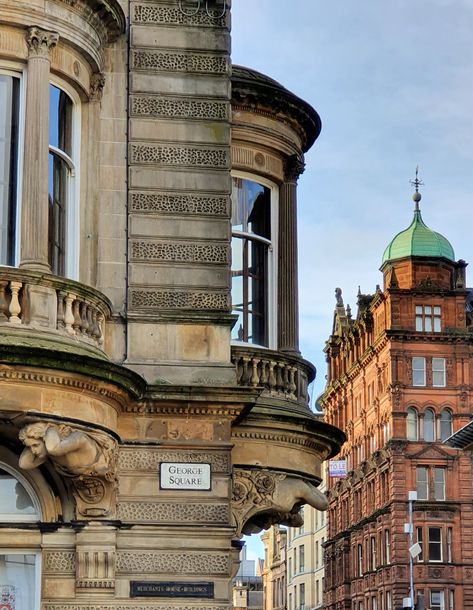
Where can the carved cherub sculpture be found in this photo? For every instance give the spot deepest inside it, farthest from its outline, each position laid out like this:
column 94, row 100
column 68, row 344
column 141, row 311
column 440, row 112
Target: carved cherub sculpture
column 73, row 452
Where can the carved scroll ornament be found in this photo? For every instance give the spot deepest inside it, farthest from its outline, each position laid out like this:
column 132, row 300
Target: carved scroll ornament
column 86, row 459
column 262, row 498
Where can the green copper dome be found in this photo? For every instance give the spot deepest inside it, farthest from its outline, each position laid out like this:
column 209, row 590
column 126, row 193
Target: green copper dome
column 418, row 240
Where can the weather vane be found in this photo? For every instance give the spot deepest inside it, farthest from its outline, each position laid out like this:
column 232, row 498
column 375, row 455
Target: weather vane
column 416, row 183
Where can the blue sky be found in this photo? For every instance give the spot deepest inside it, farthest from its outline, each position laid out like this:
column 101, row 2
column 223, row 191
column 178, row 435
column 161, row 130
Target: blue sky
column 392, row 82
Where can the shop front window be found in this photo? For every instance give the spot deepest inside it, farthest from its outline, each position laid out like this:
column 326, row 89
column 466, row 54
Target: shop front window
column 252, row 252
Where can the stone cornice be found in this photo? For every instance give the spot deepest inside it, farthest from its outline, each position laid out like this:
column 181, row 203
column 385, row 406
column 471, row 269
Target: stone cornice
column 109, row 12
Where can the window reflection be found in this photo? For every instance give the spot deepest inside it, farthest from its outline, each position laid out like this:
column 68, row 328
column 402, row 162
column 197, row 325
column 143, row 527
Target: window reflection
column 251, row 240
column 9, row 116
column 15, row 501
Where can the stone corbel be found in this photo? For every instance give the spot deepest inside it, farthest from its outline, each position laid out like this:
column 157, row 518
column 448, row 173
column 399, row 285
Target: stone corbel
column 85, row 458
column 97, row 83
column 262, row 498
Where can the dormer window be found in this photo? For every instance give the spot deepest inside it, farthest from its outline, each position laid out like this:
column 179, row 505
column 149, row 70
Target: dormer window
column 428, row 318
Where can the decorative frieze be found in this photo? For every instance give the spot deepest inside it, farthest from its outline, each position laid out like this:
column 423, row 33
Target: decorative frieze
column 170, row 61
column 172, row 562
column 127, row 606
column 172, row 299
column 164, row 203
column 179, row 155
column 180, row 252
column 173, row 512
column 145, row 459
column 171, row 15
column 179, row 108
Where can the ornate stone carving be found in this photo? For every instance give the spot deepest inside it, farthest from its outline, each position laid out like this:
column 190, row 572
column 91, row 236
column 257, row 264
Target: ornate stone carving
column 170, row 15
column 40, row 42
column 263, row 497
column 173, row 299
column 149, row 460
column 172, row 562
column 179, row 204
column 59, row 562
column 171, row 107
column 293, row 168
column 179, row 155
column 180, row 62
column 86, row 459
column 172, row 512
column 180, row 252
column 97, row 83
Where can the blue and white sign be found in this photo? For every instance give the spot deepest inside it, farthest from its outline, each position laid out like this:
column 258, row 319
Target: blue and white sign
column 337, row 468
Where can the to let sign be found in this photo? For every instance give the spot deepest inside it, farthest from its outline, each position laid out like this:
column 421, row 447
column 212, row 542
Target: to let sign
column 182, row 476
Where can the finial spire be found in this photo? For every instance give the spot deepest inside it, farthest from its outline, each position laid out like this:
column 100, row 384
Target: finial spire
column 416, row 183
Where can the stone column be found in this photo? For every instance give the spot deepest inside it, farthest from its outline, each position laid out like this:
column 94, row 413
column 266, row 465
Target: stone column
column 288, row 298
column 34, row 208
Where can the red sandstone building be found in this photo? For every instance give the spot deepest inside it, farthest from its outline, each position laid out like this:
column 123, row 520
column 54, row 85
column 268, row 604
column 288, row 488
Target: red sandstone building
column 399, row 383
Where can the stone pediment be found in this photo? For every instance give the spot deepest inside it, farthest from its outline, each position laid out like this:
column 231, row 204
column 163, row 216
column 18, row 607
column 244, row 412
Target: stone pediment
column 431, row 452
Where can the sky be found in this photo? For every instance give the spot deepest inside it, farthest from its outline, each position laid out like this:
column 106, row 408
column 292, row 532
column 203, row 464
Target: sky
column 392, row 83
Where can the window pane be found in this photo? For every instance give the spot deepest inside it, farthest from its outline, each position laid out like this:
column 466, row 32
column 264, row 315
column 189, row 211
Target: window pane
column 437, row 325
column 429, row 425
column 422, row 482
column 9, row 113
column 418, row 371
column 60, row 120
column 435, row 544
column 58, row 182
column 438, row 372
column 411, row 424
column 15, row 502
column 445, row 424
column 17, row 581
column 439, row 482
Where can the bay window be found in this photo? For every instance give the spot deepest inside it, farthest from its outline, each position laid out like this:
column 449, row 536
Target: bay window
column 253, row 220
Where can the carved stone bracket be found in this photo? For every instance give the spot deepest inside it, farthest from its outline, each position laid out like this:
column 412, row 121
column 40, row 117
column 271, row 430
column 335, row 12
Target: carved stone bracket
column 40, row 42
column 85, row 458
column 97, row 83
column 262, row 498
column 293, row 168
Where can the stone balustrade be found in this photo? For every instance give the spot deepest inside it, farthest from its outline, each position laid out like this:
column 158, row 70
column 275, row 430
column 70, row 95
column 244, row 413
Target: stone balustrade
column 278, row 373
column 38, row 302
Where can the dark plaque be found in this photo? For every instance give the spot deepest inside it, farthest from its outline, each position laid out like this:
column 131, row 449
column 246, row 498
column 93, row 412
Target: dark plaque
column 171, row 589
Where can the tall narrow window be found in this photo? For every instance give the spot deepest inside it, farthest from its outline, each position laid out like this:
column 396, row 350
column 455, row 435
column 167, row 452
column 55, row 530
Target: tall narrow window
column 301, row 558
column 360, row 560
column 438, row 373
column 302, row 596
column 445, row 424
column 373, row 553
column 420, row 541
column 251, row 249
column 435, row 543
column 418, row 371
column 412, row 424
column 9, row 117
column 422, row 483
column 429, row 425
column 439, row 484
column 61, row 170
column 449, row 545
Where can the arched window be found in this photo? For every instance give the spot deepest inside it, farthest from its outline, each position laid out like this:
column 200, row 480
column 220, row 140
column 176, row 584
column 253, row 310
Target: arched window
column 412, row 424
column 445, row 424
column 253, row 220
column 429, row 425
column 19, row 585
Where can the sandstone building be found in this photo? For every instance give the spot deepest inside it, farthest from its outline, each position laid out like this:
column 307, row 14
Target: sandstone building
column 399, row 383
column 153, row 397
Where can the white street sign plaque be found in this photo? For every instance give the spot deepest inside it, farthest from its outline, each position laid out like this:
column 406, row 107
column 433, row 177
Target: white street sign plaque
column 184, row 476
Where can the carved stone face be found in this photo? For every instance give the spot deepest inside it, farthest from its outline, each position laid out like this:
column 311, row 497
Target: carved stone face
column 36, row 446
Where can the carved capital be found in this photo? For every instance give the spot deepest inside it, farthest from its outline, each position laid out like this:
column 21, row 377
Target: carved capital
column 40, row 42
column 262, row 498
column 97, row 83
column 293, row 168
column 85, row 458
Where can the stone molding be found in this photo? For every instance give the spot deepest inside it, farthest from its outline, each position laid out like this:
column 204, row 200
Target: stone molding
column 283, row 437
column 155, row 406
column 177, row 299
column 126, row 606
column 128, row 562
column 170, row 15
column 173, row 512
column 59, row 562
column 40, row 42
column 180, row 155
column 179, row 108
column 148, row 459
column 179, row 61
column 257, row 161
column 180, row 204
column 180, row 252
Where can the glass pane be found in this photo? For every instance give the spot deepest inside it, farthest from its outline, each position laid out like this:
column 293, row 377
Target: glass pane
column 445, row 425
column 437, row 325
column 439, row 480
column 429, row 425
column 419, row 309
column 437, row 311
column 9, row 113
column 427, row 310
column 17, row 582
column 428, row 325
column 419, row 323
column 60, row 120
column 58, row 181
column 14, row 499
column 251, row 207
column 412, row 424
